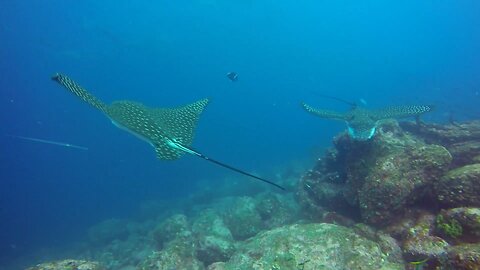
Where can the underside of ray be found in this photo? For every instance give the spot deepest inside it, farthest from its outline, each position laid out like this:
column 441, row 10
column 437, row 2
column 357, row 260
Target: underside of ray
column 324, row 113
column 179, row 123
column 362, row 123
column 400, row 111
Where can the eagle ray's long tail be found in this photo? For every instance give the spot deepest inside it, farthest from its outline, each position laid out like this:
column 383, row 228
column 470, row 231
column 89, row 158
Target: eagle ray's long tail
column 242, row 172
column 200, row 155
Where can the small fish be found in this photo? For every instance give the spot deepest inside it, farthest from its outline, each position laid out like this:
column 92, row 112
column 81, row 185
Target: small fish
column 49, row 142
column 418, row 265
column 233, row 76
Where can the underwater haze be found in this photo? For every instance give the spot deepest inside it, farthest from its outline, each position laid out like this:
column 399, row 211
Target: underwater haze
column 173, row 53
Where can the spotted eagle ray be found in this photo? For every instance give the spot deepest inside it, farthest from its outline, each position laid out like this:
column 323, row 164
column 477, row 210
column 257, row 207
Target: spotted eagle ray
column 362, row 123
column 169, row 130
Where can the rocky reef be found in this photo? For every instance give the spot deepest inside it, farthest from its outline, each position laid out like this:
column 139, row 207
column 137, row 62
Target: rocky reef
column 310, row 246
column 409, row 198
column 374, row 181
column 417, row 182
column 68, row 264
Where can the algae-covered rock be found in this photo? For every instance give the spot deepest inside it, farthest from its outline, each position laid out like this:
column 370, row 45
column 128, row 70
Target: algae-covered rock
column 276, row 209
column 323, row 187
column 170, row 229
column 459, row 224
column 210, row 222
column 387, row 244
column 242, row 218
column 176, row 254
column 402, row 227
column 419, row 243
column 448, row 228
column 400, row 178
column 378, row 178
column 68, row 265
column 212, row 249
column 120, row 254
column 445, row 134
column 425, row 246
column 465, row 153
column 268, row 205
column 214, row 240
column 462, row 139
column 310, row 246
column 460, row 187
column 464, row 257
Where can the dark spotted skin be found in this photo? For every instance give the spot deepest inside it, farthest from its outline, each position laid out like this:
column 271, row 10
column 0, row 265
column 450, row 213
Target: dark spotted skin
column 362, row 122
column 156, row 125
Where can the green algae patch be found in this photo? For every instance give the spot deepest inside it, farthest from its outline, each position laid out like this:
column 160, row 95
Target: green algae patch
column 450, row 228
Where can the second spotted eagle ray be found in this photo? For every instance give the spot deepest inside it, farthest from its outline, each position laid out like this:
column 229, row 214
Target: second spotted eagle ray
column 362, row 122
column 169, row 130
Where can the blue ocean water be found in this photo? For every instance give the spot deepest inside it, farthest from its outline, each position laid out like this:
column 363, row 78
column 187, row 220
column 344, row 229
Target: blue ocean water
column 170, row 53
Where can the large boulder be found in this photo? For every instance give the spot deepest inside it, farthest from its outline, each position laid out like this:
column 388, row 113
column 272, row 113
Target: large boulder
column 420, row 243
column 308, row 247
column 214, row 240
column 399, row 178
column 379, row 178
column 322, row 188
column 460, row 187
column 464, row 257
column 242, row 218
column 276, row 209
column 170, row 228
column 461, row 139
column 459, row 224
column 176, row 254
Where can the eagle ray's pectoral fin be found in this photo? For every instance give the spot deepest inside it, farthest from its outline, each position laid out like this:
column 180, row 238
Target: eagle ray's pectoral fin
column 325, row 113
column 180, row 123
column 79, row 91
column 400, row 111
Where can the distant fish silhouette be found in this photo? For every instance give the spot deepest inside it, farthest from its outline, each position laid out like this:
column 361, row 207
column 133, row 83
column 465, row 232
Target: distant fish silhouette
column 233, row 76
column 49, row 142
column 169, row 130
column 362, row 123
